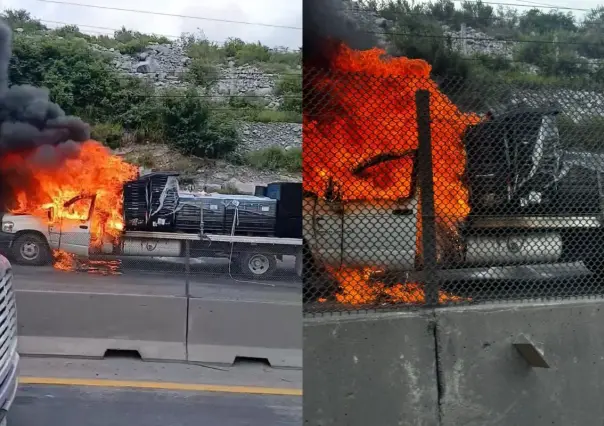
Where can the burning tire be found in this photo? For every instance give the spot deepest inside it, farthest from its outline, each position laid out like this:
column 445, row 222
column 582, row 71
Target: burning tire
column 257, row 265
column 30, row 249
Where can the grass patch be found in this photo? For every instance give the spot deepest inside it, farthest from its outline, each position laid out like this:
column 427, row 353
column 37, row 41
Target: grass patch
column 271, row 116
column 275, row 159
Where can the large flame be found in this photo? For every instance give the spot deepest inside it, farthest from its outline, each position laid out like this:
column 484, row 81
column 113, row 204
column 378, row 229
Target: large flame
column 94, row 172
column 373, row 113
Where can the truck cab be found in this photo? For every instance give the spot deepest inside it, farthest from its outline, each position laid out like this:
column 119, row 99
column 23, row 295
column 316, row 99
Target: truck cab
column 30, row 239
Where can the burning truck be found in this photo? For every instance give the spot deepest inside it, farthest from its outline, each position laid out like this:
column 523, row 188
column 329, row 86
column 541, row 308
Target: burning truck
column 150, row 216
column 505, row 192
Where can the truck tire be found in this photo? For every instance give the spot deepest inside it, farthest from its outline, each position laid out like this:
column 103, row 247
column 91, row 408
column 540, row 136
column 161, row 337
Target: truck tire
column 30, row 249
column 257, row 265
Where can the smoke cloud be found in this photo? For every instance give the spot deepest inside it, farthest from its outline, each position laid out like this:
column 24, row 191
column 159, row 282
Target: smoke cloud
column 326, row 23
column 30, row 123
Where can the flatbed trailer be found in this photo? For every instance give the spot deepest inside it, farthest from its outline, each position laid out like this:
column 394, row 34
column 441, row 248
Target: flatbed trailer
column 255, row 257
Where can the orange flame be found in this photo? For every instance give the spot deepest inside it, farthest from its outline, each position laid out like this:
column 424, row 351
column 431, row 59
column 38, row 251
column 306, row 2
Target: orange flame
column 95, row 171
column 376, row 115
column 375, row 292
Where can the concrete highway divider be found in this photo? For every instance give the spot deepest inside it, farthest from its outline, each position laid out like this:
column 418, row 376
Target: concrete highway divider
column 250, row 322
column 381, row 371
column 69, row 314
column 221, row 330
column 88, row 324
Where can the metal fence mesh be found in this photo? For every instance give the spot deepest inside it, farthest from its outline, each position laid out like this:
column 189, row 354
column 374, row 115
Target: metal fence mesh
column 420, row 193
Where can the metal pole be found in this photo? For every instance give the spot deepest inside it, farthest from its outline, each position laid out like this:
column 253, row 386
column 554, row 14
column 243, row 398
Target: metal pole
column 426, row 187
column 187, row 291
column 464, row 40
column 187, row 265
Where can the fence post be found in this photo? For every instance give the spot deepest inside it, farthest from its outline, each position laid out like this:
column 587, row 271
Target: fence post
column 426, row 187
column 187, row 266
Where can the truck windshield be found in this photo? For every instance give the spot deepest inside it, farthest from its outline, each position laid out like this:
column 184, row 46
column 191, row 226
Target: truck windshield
column 385, row 177
column 77, row 208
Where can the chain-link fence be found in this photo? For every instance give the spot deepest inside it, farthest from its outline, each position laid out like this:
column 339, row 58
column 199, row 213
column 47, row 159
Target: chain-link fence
column 426, row 194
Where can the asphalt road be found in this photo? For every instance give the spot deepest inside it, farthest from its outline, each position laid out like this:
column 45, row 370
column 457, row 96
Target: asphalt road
column 210, row 278
column 37, row 405
column 82, row 399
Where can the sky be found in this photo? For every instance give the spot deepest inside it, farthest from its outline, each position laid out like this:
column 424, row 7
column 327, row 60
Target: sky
column 274, row 12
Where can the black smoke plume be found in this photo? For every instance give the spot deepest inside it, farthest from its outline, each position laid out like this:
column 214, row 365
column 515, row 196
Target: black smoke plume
column 28, row 118
column 35, row 133
column 326, row 24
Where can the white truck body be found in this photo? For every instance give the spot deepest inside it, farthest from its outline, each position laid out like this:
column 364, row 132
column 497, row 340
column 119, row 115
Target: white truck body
column 32, row 239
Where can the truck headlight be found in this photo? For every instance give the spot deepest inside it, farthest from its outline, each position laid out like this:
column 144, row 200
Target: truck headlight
column 7, row 227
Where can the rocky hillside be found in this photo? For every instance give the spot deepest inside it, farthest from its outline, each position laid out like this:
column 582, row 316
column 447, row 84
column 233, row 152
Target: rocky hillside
column 529, row 56
column 219, row 113
column 166, row 65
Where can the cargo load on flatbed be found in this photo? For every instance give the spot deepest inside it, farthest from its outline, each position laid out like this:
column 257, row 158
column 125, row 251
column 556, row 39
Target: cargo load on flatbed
column 154, row 202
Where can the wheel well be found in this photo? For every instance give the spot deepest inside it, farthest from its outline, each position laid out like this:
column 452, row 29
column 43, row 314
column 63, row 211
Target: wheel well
column 36, row 233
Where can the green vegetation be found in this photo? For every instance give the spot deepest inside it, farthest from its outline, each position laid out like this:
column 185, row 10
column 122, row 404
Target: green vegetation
column 275, row 159
column 83, row 81
column 555, row 42
column 242, row 53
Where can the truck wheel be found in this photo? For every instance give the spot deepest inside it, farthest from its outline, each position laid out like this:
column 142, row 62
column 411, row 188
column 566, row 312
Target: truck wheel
column 257, row 265
column 30, row 249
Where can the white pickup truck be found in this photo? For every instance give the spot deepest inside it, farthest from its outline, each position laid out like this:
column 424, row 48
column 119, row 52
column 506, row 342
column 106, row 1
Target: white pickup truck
column 30, row 240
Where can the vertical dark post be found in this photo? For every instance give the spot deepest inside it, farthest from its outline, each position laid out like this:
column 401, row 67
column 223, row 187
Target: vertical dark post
column 187, row 265
column 187, row 290
column 426, row 187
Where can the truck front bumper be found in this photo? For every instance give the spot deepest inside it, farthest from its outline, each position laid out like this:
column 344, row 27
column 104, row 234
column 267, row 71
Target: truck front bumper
column 6, row 240
column 8, row 387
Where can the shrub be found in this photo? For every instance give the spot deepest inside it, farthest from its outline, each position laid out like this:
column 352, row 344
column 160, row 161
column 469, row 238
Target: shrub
column 288, row 84
column 204, row 49
column 133, row 46
column 271, row 116
column 276, row 158
column 189, row 126
column 253, row 53
column 146, row 160
column 110, row 134
column 201, row 72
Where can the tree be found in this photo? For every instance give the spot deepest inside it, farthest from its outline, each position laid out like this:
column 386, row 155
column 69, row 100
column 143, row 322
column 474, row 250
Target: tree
column 21, row 18
column 553, row 21
column 189, row 126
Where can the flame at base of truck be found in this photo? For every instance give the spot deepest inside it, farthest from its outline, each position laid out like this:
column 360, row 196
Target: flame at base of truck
column 376, row 292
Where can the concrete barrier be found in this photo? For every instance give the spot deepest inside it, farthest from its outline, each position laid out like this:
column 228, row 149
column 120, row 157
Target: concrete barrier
column 375, row 369
column 486, row 380
column 89, row 323
column 222, row 329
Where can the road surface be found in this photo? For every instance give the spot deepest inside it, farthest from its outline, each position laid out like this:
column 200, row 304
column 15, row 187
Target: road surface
column 160, row 278
column 177, row 395
column 80, row 406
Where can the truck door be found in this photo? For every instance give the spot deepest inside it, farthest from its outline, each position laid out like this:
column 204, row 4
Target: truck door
column 74, row 230
column 380, row 235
